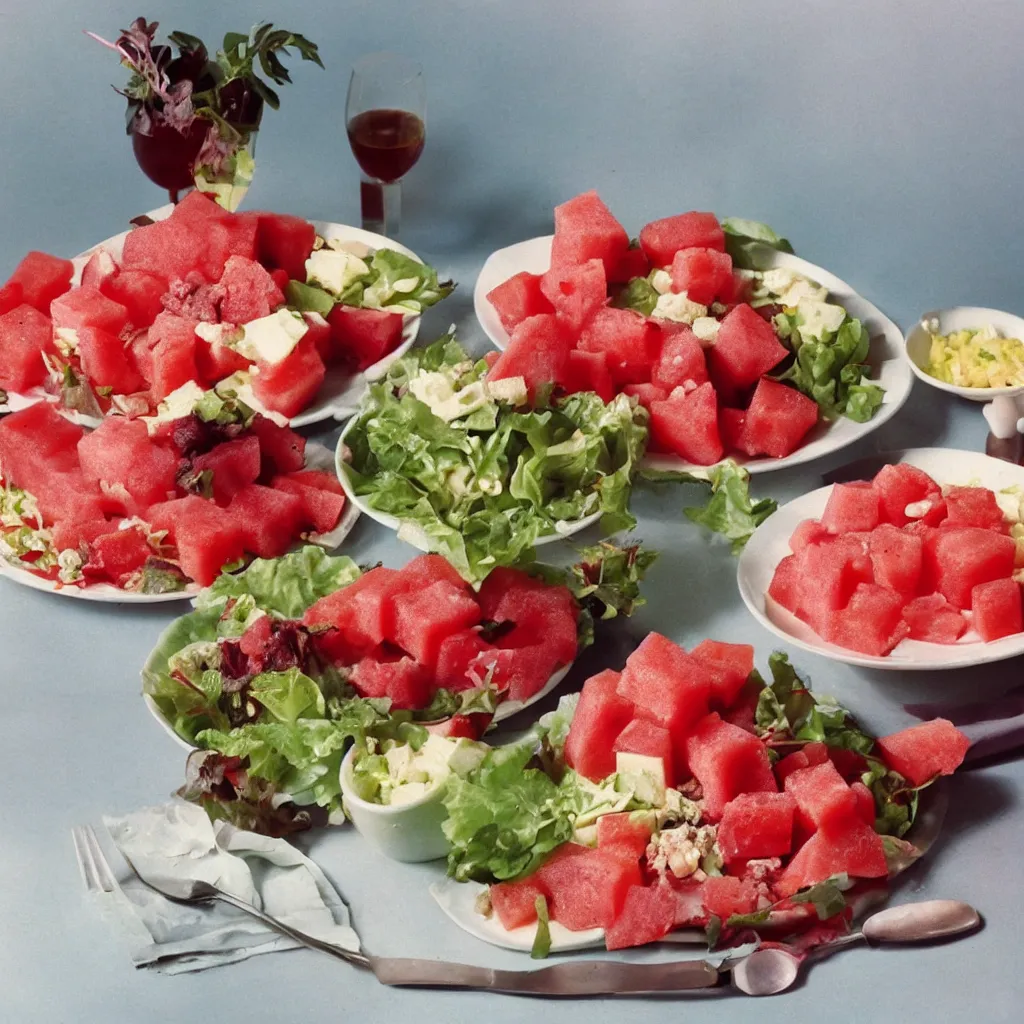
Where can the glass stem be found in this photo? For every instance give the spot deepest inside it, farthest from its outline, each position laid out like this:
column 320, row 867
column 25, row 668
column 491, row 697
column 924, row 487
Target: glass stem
column 381, row 206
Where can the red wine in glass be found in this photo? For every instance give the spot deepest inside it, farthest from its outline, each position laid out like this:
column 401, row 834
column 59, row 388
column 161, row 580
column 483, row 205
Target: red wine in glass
column 386, row 143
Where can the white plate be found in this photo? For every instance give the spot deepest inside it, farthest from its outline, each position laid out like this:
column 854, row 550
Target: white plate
column 317, row 457
column 408, row 531
column 887, row 347
column 770, row 544
column 338, row 397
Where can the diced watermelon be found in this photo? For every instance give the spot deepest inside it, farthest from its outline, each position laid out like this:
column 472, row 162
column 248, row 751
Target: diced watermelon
column 519, row 298
column 704, row 274
column 35, row 442
column 198, row 209
column 996, row 609
column 576, row 291
column 865, row 802
column 687, row 424
column 627, row 833
column 515, row 903
column 973, row 506
column 283, row 450
column 69, row 495
column 206, row 536
column 519, row 672
column 42, row 278
column 585, row 229
column 588, row 887
column 363, row 337
column 424, row 617
column 853, row 848
column 88, row 307
column 106, row 362
column 896, row 558
column 827, row 574
column 284, row 241
column 322, row 508
column 115, row 555
column 632, row 263
column 319, row 479
column 215, row 360
column 732, row 427
column 901, row 485
column 725, row 895
column 681, row 362
column 319, row 332
column 756, row 825
column 728, row 665
column 234, row 464
column 454, row 656
column 268, row 519
column 727, row 760
column 872, row 623
column 588, row 371
column 120, row 453
column 965, row 556
column 100, row 266
column 548, row 614
column 923, row 751
column 256, row 637
column 934, row 620
column 393, row 675
column 650, row 740
column 822, row 797
column 25, row 334
column 810, row 531
column 290, row 385
column 491, row 595
column 362, row 612
column 778, row 419
column 538, row 351
column 662, row 239
column 425, row 570
column 646, row 393
column 172, row 340
column 169, row 247
column 648, row 914
column 250, row 292
column 785, row 586
column 74, row 534
column 11, row 297
column 746, row 348
column 600, row 717
column 628, row 339
column 850, row 508
column 139, row 291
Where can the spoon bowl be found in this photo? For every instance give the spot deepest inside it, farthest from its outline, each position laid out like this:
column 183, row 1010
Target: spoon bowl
column 766, row 972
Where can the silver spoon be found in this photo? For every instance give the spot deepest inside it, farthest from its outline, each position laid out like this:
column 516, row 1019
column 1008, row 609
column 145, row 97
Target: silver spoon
column 767, row 972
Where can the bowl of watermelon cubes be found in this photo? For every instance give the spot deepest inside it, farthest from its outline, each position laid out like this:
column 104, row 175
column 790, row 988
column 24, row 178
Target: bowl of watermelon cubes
column 915, row 569
column 145, row 510
column 735, row 346
column 294, row 314
column 692, row 801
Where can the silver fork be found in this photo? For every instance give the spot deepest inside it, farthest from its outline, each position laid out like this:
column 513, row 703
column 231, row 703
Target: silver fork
column 96, row 872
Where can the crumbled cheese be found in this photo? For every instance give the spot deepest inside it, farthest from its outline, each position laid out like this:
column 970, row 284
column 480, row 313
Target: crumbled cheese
column 661, row 282
column 334, row 269
column 681, row 850
column 270, row 339
column 706, row 328
column 679, row 308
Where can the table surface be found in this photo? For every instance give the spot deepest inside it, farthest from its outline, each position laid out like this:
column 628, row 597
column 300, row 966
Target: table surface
column 884, row 139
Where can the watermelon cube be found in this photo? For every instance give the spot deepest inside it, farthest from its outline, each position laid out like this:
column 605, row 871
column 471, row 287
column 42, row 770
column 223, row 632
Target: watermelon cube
column 363, row 337
column 519, row 298
column 11, row 297
column 538, row 351
column 172, row 341
column 321, row 507
column 648, row 914
column 454, row 656
column 268, row 519
column 649, row 740
column 588, row 371
column 687, row 423
column 822, row 796
column 215, row 360
column 42, row 278
column 785, row 586
column 727, row 760
column 120, row 455
column 548, row 614
column 924, row 751
column 250, row 292
column 872, row 623
column 901, row 485
column 973, row 506
column 933, row 619
column 78, row 534
column 756, row 825
column 632, row 263
column 681, row 362
column 778, row 419
column 851, row 847
column 627, row 833
column 288, row 386
column 600, row 717
column 253, row 642
column 662, row 239
column 728, row 665
column 88, row 307
column 630, row 341
column 703, row 274
column 896, row 557
column 851, row 508
column 425, row 616
column 139, row 291
column 491, row 595
column 732, row 428
column 396, row 676
column 170, row 248
column 725, row 895
column 996, row 609
column 281, row 448
column 362, row 612
column 206, row 536
column 585, row 229
column 106, row 362
column 199, row 210
column 963, row 557
column 36, row 442
column 519, row 672
column 321, row 335
column 829, row 571
column 69, row 496
column 320, row 480
column 25, row 334
column 425, row 570
column 285, row 242
column 575, row 291
column 115, row 555
column 234, row 464
column 645, row 393
column 515, row 903
column 746, row 348
column 588, row 887
column 810, row 531
column 865, row 802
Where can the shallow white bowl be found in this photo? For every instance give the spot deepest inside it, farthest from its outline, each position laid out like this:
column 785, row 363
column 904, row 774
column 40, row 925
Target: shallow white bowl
column 770, row 544
column 886, row 357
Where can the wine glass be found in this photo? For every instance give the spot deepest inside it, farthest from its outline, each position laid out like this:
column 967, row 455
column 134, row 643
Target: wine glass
column 385, row 115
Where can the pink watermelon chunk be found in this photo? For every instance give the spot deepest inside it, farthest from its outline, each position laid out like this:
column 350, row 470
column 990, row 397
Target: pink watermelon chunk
column 120, row 453
column 810, row 531
column 115, row 555
column 588, row 371
column 519, row 298
column 924, row 751
column 25, row 334
column 728, row 665
column 662, row 239
column 250, row 292
column 778, row 419
column 725, row 895
column 629, row 340
column 69, row 495
column 206, row 536
column 822, row 796
column 746, row 348
column 785, row 586
column 320, row 334
column 285, row 242
column 519, row 672
column 234, row 464
column 896, row 558
column 853, row 848
column 585, row 229
column 424, row 570
column 322, row 507
column 393, row 675
column 42, row 278
column 35, row 442
column 632, row 263
column 625, row 833
column 172, row 340
column 363, row 337
column 732, row 427
column 424, row 617
column 973, row 506
column 681, row 362
column 809, row 754
column 872, row 623
column 600, row 717
column 88, row 307
column 865, row 802
column 548, row 614
column 650, row 740
column 268, row 519
column 963, row 557
column 106, row 362
column 648, row 914
column 687, row 423
column 996, row 609
column 168, row 247
column 11, row 297
column 77, row 534
column 933, row 619
column 454, row 656
column 851, row 508
column 282, row 449
column 139, row 291
column 538, row 351
column 645, row 394
column 362, row 612
column 515, row 903
column 498, row 582
column 901, row 485
column 588, row 887
column 290, row 385
column 576, row 291
column 756, row 825
column 704, row 274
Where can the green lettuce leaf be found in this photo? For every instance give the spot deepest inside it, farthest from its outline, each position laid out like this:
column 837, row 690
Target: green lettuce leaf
column 744, row 237
column 308, row 298
column 400, row 283
column 639, row 295
column 289, row 695
column 542, row 941
column 729, row 509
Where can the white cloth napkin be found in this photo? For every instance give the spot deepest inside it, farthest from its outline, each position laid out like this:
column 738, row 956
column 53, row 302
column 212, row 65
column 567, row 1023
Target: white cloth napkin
column 177, row 839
